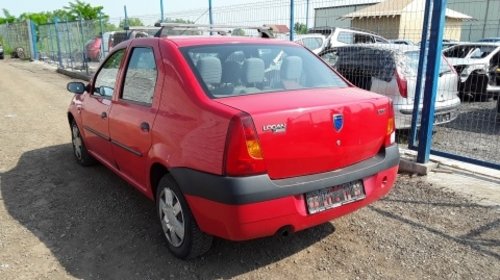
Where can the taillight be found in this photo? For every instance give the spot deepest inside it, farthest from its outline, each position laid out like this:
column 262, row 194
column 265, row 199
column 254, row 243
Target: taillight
column 390, row 137
column 243, row 154
column 402, row 84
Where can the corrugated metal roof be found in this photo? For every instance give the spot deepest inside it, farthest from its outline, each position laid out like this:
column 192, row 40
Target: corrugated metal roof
column 399, row 7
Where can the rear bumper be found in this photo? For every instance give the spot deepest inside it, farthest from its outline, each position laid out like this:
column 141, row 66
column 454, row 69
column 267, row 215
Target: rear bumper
column 444, row 112
column 251, row 207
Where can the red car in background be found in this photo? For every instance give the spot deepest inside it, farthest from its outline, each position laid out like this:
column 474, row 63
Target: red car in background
column 234, row 137
column 93, row 49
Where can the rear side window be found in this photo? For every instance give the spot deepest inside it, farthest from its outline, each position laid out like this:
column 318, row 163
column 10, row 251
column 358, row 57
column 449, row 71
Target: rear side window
column 242, row 69
column 140, row 78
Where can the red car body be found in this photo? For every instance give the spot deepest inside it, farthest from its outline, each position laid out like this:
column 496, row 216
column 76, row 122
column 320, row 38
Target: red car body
column 234, row 192
column 93, row 49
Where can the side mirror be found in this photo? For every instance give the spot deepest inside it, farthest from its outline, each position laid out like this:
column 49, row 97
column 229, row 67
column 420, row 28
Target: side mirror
column 76, row 87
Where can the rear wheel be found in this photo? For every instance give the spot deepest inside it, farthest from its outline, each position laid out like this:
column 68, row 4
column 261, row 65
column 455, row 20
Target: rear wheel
column 81, row 154
column 184, row 238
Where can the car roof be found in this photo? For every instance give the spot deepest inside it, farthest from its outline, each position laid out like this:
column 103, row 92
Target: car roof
column 310, row 35
column 478, row 44
column 391, row 47
column 185, row 41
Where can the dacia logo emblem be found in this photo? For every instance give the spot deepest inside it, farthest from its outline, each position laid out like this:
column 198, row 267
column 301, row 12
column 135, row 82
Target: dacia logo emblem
column 338, row 122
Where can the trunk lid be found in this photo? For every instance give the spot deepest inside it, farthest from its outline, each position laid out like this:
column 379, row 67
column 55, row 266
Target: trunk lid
column 297, row 131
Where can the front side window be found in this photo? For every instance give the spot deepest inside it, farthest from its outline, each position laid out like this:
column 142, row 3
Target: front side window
column 140, row 78
column 242, row 69
column 363, row 39
column 106, row 77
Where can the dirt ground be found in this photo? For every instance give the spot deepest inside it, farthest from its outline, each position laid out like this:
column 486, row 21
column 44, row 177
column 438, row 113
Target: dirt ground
column 62, row 221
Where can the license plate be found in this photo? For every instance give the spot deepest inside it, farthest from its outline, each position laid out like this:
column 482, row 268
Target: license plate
column 332, row 197
column 442, row 118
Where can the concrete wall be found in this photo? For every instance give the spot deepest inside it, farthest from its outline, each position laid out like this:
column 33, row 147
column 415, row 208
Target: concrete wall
column 331, row 16
column 453, row 29
column 486, row 14
column 387, row 27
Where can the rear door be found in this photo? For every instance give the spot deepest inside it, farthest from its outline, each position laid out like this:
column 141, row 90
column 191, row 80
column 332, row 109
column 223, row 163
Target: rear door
column 134, row 110
column 96, row 106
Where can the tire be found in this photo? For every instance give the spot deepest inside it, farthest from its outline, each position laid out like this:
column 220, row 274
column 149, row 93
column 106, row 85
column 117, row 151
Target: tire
column 80, row 152
column 184, row 238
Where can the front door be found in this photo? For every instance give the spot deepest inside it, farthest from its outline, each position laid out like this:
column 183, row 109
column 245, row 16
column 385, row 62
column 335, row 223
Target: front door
column 134, row 111
column 97, row 107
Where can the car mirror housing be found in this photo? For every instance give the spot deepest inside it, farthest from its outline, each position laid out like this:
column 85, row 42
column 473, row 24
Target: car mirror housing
column 76, row 87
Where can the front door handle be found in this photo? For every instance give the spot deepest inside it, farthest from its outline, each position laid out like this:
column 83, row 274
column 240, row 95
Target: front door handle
column 104, row 115
column 145, row 126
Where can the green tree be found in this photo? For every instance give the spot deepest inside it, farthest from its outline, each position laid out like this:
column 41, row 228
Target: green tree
column 131, row 22
column 300, row 28
column 8, row 17
column 79, row 9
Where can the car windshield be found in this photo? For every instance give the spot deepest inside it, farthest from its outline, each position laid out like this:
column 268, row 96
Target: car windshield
column 469, row 51
column 242, row 69
column 411, row 62
column 312, row 42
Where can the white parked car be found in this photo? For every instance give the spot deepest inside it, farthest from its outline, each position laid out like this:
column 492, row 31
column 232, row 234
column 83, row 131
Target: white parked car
column 391, row 70
column 336, row 36
column 478, row 65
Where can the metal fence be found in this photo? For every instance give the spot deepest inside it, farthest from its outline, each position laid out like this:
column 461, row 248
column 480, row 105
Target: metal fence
column 464, row 108
column 15, row 39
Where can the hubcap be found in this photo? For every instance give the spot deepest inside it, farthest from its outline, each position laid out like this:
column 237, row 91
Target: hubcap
column 77, row 142
column 171, row 217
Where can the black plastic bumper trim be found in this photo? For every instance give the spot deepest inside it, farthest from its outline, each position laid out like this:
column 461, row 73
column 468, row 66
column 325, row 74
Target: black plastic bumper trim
column 244, row 190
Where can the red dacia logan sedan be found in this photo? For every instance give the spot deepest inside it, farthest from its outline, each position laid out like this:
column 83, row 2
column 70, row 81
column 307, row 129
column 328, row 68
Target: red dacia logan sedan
column 234, row 137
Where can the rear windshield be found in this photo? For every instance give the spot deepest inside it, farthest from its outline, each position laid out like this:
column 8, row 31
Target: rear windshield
column 412, row 59
column 242, row 69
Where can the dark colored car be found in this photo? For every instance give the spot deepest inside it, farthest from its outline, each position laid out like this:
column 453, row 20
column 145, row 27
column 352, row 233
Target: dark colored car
column 234, row 137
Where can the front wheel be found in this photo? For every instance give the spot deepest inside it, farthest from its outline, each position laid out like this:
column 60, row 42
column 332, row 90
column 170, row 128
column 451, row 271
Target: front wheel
column 184, row 238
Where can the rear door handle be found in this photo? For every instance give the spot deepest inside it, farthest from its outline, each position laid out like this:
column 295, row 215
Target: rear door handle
column 145, row 126
column 104, row 115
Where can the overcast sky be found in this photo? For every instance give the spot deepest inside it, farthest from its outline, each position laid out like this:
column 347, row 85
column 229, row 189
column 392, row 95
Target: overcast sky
column 114, row 8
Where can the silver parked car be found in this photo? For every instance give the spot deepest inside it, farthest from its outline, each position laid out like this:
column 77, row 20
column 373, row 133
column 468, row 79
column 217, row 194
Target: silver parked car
column 391, row 70
column 478, row 65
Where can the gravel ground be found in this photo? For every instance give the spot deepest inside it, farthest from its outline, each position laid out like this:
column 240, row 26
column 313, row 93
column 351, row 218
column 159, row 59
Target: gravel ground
column 475, row 133
column 59, row 220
